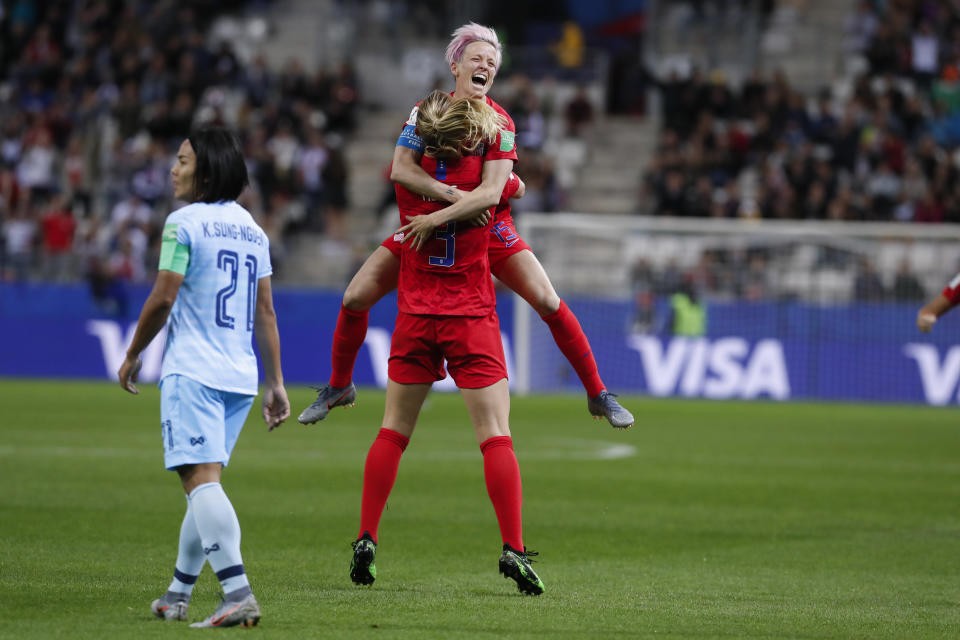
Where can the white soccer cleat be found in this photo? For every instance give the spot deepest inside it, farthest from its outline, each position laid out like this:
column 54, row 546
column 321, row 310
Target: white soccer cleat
column 169, row 608
column 245, row 613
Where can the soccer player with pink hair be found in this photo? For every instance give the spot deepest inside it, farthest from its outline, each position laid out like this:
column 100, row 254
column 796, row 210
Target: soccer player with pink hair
column 474, row 55
column 447, row 320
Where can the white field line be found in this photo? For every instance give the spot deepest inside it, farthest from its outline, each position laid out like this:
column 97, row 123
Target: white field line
column 557, row 450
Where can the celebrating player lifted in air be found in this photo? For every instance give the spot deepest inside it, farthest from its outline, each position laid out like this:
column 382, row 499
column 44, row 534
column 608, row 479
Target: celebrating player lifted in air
column 213, row 283
column 474, row 56
column 447, row 312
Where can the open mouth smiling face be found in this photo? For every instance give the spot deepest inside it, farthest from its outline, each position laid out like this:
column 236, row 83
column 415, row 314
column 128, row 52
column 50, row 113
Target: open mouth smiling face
column 476, row 70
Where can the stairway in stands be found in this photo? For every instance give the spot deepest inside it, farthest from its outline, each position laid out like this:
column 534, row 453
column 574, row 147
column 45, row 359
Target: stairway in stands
column 619, row 150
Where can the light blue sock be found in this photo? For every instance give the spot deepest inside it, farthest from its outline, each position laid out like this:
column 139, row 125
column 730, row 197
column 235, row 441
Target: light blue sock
column 190, row 557
column 220, row 536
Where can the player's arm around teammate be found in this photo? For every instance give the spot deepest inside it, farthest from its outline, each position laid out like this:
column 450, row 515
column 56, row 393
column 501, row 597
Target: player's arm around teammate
column 419, row 229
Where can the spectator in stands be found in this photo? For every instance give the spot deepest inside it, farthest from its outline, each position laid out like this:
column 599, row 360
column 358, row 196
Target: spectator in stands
column 130, row 211
column 311, row 163
column 925, row 55
column 58, row 227
column 109, row 94
column 19, row 241
column 688, row 317
column 578, row 113
column 860, row 26
column 867, row 286
column 906, row 285
column 335, row 178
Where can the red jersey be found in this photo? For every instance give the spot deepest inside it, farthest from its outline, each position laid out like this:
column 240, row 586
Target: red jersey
column 464, row 173
column 450, row 274
column 952, row 291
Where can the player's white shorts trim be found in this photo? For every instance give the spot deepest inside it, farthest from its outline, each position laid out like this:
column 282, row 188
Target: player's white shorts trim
column 197, row 423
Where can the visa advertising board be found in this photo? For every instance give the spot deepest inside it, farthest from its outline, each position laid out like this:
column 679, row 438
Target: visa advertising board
column 764, row 351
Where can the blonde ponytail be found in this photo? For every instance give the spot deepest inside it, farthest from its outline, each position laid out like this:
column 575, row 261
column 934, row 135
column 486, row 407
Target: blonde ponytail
column 450, row 128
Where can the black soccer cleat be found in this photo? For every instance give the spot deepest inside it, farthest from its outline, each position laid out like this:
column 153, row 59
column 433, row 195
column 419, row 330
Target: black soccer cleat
column 362, row 567
column 516, row 566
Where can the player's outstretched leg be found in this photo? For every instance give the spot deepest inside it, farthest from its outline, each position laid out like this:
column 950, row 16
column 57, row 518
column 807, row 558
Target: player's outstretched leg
column 362, row 567
column 231, row 613
column 516, row 566
column 170, row 606
column 327, row 398
column 605, row 405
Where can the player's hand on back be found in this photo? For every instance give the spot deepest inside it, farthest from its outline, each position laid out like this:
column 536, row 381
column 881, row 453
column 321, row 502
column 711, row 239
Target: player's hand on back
column 276, row 406
column 482, row 218
column 418, row 230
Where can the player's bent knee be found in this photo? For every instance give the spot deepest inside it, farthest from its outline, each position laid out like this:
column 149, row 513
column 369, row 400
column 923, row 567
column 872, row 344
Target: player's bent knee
column 361, row 294
column 546, row 303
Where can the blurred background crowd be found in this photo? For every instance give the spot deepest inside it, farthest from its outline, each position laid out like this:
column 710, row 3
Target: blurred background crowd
column 95, row 96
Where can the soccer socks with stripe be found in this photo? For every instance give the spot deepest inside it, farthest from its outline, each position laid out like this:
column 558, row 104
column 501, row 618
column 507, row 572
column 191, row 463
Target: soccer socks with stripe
column 573, row 343
column 348, row 337
column 190, row 558
column 379, row 474
column 220, row 537
column 502, row 473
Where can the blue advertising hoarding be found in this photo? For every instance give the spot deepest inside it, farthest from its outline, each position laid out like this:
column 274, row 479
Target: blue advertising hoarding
column 776, row 351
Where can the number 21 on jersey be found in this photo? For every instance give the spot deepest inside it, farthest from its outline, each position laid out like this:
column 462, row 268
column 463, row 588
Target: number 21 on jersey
column 229, row 261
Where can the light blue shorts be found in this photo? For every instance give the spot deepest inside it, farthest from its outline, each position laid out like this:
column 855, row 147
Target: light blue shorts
column 199, row 424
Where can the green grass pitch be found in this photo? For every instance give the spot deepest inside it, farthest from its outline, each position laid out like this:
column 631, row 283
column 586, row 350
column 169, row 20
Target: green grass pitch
column 706, row 520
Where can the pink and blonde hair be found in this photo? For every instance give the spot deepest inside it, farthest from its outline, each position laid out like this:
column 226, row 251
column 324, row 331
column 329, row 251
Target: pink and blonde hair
column 472, row 32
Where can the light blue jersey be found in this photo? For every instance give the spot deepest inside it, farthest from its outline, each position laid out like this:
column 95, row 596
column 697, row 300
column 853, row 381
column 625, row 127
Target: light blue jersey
column 222, row 253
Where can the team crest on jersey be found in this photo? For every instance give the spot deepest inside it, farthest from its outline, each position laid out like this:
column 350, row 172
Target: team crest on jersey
column 412, row 120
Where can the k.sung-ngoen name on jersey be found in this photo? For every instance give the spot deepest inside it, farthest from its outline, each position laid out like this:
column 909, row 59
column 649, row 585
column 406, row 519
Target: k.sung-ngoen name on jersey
column 233, row 231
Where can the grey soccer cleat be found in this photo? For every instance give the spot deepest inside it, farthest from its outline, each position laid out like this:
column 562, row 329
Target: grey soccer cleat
column 606, row 406
column 170, row 606
column 516, row 565
column 245, row 613
column 327, row 398
column 363, row 569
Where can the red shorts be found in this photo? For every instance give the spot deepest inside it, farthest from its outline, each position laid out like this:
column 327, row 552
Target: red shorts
column 504, row 242
column 471, row 346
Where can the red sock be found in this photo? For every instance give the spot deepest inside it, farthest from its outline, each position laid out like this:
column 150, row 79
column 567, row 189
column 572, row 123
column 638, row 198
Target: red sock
column 502, row 474
column 379, row 474
column 573, row 343
column 347, row 339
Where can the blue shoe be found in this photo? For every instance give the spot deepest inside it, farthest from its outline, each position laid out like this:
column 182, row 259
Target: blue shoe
column 606, row 406
column 327, row 398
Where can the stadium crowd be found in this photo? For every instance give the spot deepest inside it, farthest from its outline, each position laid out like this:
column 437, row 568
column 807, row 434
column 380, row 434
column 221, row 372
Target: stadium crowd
column 95, row 97
column 881, row 151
